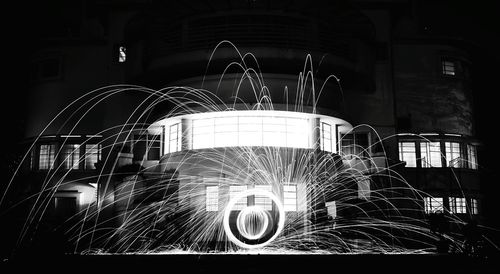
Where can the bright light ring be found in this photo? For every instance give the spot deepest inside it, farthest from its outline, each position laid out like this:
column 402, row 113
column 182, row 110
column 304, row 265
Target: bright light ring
column 246, row 193
column 252, row 212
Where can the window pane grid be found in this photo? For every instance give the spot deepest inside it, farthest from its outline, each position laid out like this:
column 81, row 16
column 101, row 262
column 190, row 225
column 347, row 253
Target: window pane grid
column 290, row 197
column 241, row 203
column 431, row 154
column 458, row 205
column 326, row 137
column 407, row 153
column 46, row 157
column 474, row 206
column 433, row 205
column 250, row 131
column 453, row 155
column 448, row 67
column 264, row 201
column 92, row 155
column 212, row 198
column 71, row 156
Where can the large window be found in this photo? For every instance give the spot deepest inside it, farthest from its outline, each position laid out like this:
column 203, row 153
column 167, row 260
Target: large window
column 431, row 154
column 47, row 156
column 71, row 156
column 290, row 197
column 263, row 201
column 453, row 155
column 355, row 145
column 92, row 155
column 458, row 205
column 472, row 156
column 212, row 198
column 433, row 205
column 407, row 153
column 235, row 190
column 250, row 131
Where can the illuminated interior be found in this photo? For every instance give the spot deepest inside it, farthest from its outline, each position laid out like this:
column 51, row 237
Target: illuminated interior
column 249, row 128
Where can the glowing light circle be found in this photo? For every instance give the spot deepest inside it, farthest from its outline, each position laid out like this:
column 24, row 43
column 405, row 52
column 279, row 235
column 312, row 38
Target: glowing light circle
column 248, row 222
column 246, row 193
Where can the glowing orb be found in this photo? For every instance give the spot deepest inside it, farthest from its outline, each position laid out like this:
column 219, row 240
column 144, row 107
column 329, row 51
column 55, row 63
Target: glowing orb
column 252, row 222
column 244, row 220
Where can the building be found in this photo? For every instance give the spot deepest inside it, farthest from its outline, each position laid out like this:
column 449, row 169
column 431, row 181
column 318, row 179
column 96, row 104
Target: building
column 399, row 107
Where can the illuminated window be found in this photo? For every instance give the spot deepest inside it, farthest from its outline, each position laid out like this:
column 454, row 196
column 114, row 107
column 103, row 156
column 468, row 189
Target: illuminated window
column 273, row 131
column 174, row 138
column 448, row 67
column 92, row 155
column 433, row 205
column 250, row 131
column 71, row 156
column 326, row 137
column 263, row 201
column 431, row 154
column 355, row 145
column 203, row 133
column 122, row 54
column 453, row 155
column 241, row 203
column 407, row 153
column 46, row 157
column 290, row 197
column 212, row 198
column 458, row 205
column 472, row 156
column 224, row 133
column 474, row 206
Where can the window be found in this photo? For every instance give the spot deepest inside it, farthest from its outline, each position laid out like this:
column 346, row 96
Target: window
column 147, row 146
column 355, row 145
column 326, row 137
column 225, row 129
column 407, row 153
column 122, row 54
column 474, row 206
column 290, row 197
column 250, row 131
column 472, row 156
column 92, row 155
column 448, row 67
column 431, row 154
column 263, row 201
column 174, row 138
column 154, row 146
column 433, row 205
column 453, row 155
column 47, row 157
column 458, row 205
column 71, row 156
column 212, row 198
column 241, row 203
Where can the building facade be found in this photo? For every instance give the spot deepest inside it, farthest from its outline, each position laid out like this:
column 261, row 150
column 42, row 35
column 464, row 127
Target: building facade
column 396, row 117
